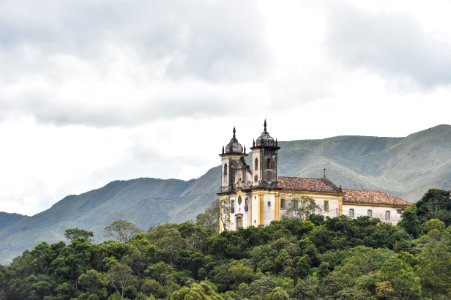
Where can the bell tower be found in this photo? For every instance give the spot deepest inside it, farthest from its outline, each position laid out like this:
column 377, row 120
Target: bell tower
column 233, row 173
column 264, row 159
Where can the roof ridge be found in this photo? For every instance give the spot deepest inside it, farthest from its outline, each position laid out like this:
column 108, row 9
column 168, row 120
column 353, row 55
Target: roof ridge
column 319, row 178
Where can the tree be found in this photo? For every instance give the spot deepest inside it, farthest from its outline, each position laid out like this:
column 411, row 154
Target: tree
column 202, row 291
column 210, row 217
column 410, row 221
column 73, row 260
column 224, row 210
column 302, row 207
column 121, row 278
column 229, row 276
column 122, row 230
column 435, row 204
column 261, row 287
column 93, row 285
column 434, row 261
column 72, row 233
column 367, row 269
column 277, row 293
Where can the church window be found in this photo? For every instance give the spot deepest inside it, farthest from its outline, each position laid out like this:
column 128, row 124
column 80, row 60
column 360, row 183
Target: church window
column 269, row 203
column 246, row 205
column 256, row 164
column 239, row 200
column 225, row 169
column 326, row 206
column 232, row 206
column 269, row 163
column 369, row 213
column 387, row 215
column 351, row 212
column 282, row 204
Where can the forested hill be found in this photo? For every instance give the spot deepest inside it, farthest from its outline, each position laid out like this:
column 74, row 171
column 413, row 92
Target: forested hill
column 406, row 167
column 337, row 258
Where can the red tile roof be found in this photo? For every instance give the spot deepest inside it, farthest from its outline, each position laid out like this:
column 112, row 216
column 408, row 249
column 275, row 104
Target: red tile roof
column 373, row 197
column 307, row 184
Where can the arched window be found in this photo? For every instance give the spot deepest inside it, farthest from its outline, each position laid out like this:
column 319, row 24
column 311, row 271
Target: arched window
column 256, row 164
column 239, row 200
column 225, row 169
column 369, row 213
column 351, row 212
column 232, row 206
column 246, row 205
column 269, row 163
column 282, row 204
column 387, row 215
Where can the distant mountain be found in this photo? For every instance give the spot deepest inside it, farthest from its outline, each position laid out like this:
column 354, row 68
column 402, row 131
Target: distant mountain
column 406, row 167
column 7, row 219
column 146, row 202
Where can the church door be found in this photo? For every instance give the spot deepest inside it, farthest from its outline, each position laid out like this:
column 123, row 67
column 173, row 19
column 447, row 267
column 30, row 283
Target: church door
column 239, row 221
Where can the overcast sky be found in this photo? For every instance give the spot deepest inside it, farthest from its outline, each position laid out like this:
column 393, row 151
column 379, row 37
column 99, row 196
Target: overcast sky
column 93, row 90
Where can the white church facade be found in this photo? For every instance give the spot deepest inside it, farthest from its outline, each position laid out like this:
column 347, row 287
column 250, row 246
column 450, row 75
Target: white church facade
column 254, row 195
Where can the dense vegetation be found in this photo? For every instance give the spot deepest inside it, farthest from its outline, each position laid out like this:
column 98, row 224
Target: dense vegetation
column 320, row 258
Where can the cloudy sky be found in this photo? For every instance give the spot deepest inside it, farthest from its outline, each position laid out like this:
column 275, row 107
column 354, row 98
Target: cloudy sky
column 97, row 90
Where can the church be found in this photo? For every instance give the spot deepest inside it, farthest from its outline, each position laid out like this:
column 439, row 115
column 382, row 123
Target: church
column 254, row 195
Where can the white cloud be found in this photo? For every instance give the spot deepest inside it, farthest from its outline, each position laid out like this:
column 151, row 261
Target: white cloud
column 392, row 43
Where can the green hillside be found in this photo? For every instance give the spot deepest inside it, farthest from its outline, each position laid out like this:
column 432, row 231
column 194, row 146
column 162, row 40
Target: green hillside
column 406, row 167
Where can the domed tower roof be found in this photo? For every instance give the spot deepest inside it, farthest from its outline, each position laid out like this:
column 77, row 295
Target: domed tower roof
column 265, row 140
column 233, row 147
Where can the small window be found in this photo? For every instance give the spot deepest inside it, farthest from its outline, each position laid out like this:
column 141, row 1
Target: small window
column 351, row 212
column 225, row 169
column 282, row 204
column 239, row 200
column 387, row 215
column 326, row 206
column 269, row 203
column 369, row 213
column 295, row 204
column 256, row 164
column 232, row 206
column 246, row 205
column 269, row 163
column 256, row 178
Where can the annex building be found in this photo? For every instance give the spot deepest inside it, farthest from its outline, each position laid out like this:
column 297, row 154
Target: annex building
column 254, row 195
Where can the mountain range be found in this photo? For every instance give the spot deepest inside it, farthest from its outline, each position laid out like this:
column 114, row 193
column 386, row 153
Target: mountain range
column 405, row 167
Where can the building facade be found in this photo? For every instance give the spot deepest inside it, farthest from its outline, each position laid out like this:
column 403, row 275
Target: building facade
column 254, row 195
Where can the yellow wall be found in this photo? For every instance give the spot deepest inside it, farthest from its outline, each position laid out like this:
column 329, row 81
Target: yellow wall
column 261, row 215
